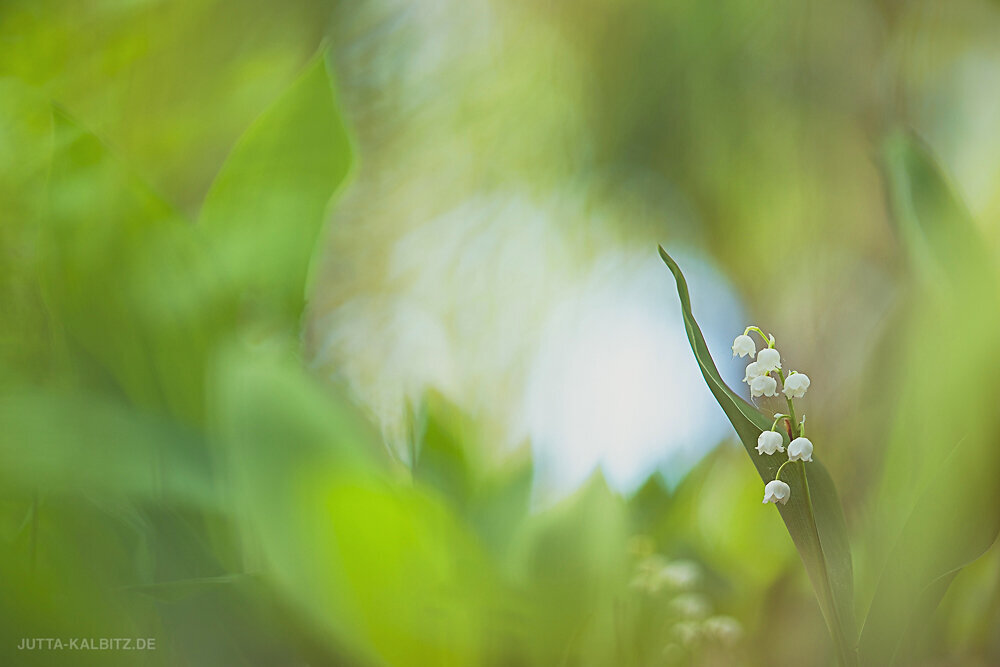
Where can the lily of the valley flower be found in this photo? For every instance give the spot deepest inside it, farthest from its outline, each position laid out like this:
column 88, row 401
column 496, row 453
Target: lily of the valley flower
column 769, row 442
column 759, row 377
column 744, row 345
column 800, row 449
column 776, row 492
column 753, row 371
column 763, row 385
column 769, row 360
column 725, row 629
column 796, row 385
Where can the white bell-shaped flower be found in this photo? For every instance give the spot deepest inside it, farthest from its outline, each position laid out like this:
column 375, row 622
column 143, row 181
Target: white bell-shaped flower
column 744, row 345
column 725, row 629
column 753, row 371
column 776, row 492
column 769, row 442
column 763, row 385
column 769, row 359
column 800, row 449
column 796, row 385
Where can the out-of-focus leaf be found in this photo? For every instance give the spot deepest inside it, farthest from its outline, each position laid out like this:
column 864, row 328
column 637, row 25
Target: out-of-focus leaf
column 944, row 531
column 721, row 526
column 25, row 142
column 125, row 279
column 266, row 207
column 61, row 443
column 26, row 139
column 172, row 591
column 572, row 560
column 379, row 568
column 936, row 227
column 501, row 502
column 492, row 499
column 147, row 296
column 442, row 457
column 64, row 575
column 649, row 504
column 817, row 528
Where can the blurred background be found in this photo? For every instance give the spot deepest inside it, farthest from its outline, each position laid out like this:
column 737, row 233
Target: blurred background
column 334, row 332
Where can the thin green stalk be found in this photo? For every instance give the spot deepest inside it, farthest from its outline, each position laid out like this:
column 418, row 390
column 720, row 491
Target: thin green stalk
column 791, row 408
column 766, row 338
column 777, row 418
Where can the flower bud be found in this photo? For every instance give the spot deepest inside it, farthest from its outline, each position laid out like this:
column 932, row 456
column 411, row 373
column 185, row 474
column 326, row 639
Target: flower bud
column 796, row 385
column 776, row 492
column 800, row 449
column 769, row 359
column 744, row 345
column 769, row 442
column 763, row 385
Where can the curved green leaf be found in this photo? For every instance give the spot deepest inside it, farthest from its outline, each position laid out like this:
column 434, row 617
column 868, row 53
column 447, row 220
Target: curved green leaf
column 937, row 230
column 267, row 205
column 944, row 531
column 65, row 443
column 819, row 531
column 378, row 567
column 123, row 277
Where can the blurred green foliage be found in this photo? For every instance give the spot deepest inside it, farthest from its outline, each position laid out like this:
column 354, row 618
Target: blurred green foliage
column 943, row 532
column 170, row 469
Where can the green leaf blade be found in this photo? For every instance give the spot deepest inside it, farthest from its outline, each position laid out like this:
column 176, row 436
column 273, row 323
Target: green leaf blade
column 955, row 516
column 819, row 532
column 123, row 277
column 960, row 528
column 265, row 210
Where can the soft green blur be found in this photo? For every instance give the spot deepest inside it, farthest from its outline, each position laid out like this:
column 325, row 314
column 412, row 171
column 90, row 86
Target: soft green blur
column 222, row 427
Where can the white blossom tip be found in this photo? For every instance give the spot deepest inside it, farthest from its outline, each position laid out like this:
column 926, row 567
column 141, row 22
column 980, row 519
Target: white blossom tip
column 769, row 442
column 753, row 371
column 800, row 449
column 763, row 385
column 744, row 345
column 776, row 492
column 796, row 385
column 769, row 359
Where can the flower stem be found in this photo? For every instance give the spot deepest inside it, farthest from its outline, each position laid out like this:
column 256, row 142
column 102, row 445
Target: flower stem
column 767, row 340
column 777, row 475
column 791, row 408
column 777, row 418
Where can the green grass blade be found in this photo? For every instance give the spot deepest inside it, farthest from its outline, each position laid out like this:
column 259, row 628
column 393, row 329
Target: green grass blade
column 819, row 531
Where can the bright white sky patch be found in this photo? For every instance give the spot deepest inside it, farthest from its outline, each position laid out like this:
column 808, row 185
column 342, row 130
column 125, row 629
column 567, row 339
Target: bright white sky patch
column 577, row 346
column 614, row 383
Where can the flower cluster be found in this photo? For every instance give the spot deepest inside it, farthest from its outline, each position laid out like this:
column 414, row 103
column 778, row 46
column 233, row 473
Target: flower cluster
column 689, row 620
column 763, row 383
